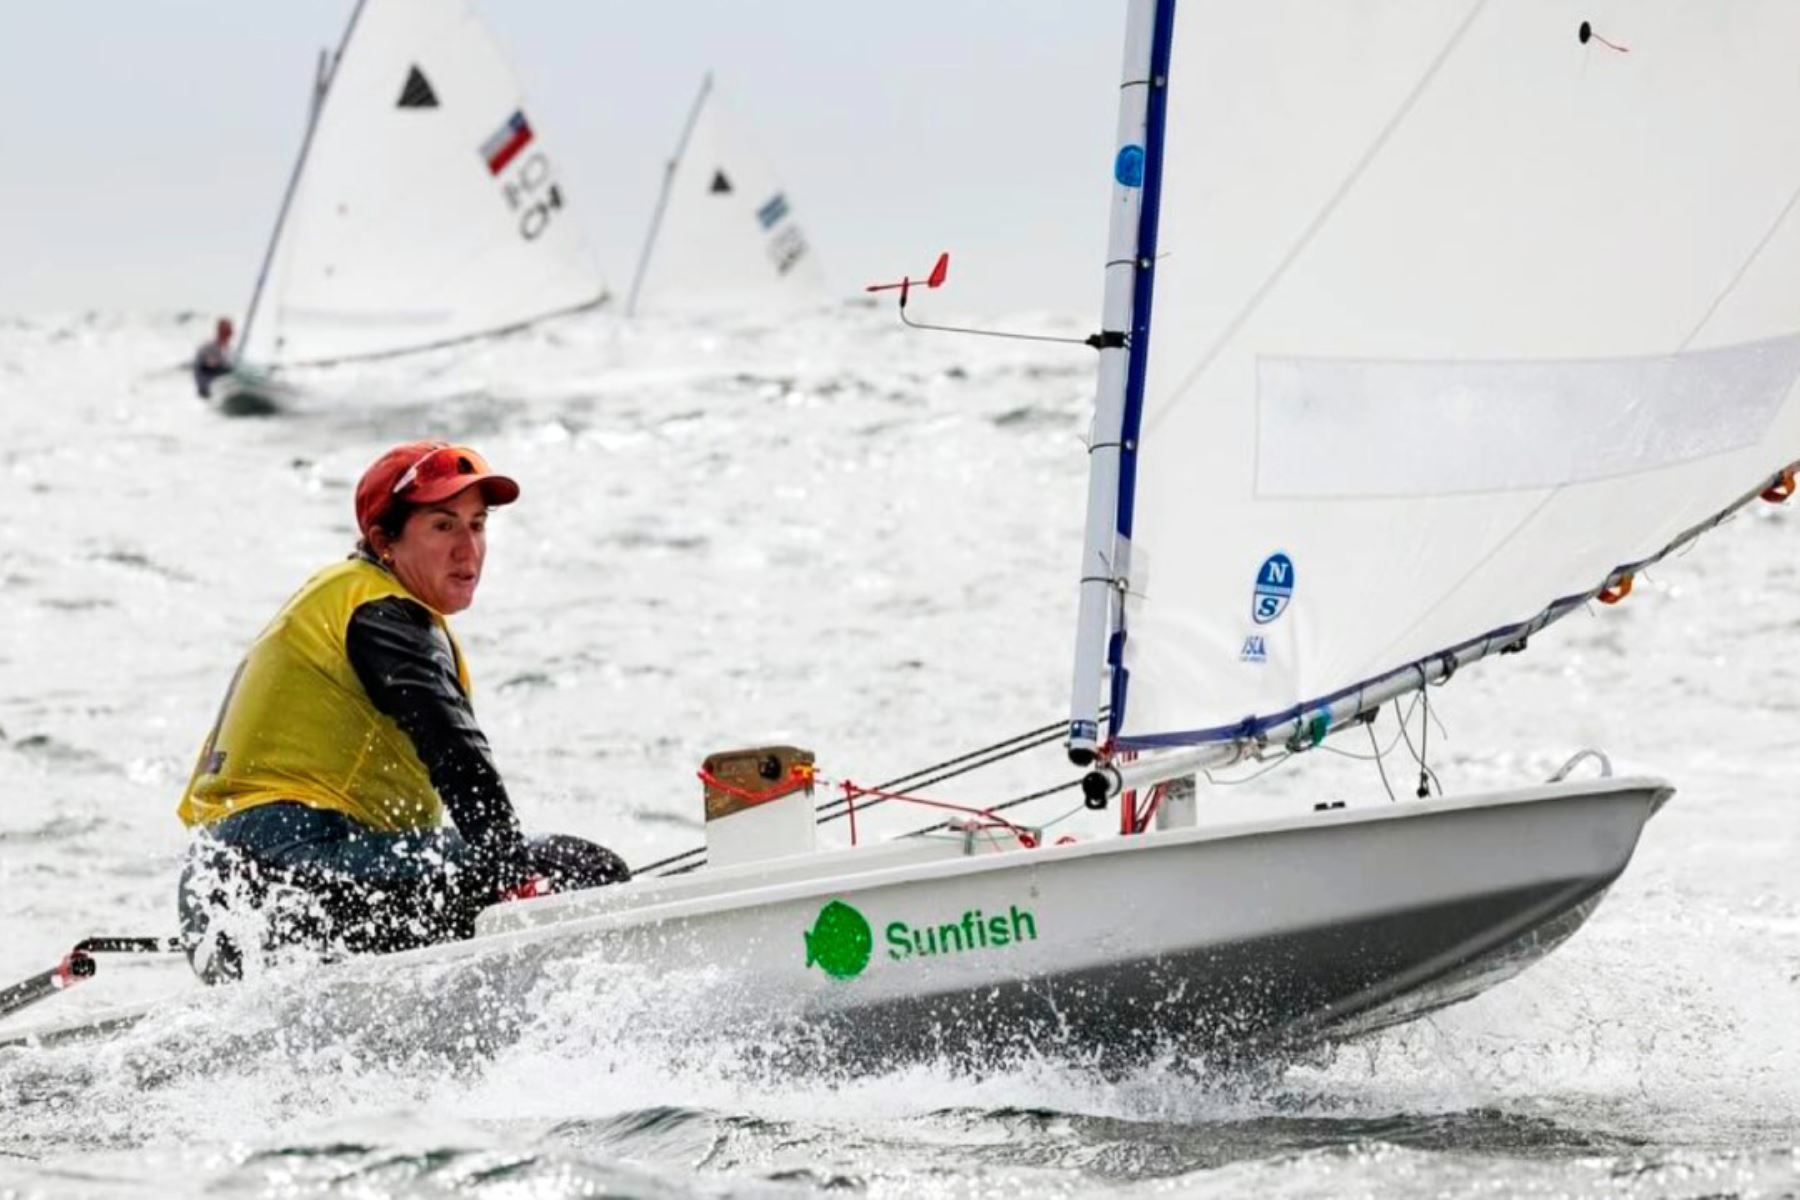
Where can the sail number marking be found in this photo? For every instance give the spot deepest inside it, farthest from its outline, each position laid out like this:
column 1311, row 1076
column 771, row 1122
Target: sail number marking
column 532, row 194
column 786, row 247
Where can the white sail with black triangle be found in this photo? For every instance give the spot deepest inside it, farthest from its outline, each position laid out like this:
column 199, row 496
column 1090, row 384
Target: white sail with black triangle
column 1443, row 319
column 725, row 235
column 425, row 207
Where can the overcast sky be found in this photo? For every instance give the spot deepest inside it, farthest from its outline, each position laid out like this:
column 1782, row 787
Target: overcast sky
column 147, row 141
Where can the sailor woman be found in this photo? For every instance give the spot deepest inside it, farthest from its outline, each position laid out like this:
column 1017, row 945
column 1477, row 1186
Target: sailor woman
column 346, row 736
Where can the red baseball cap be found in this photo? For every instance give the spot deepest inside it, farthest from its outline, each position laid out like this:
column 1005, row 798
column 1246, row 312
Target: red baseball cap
column 425, row 473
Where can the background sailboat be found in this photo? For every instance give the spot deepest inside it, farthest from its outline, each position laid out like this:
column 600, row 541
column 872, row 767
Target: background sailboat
column 424, row 208
column 724, row 235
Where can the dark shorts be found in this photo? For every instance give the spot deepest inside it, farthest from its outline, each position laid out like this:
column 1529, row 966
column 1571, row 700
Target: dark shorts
column 283, row 880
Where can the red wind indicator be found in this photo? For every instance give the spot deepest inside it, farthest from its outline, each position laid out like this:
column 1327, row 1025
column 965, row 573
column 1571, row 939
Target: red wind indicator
column 940, row 271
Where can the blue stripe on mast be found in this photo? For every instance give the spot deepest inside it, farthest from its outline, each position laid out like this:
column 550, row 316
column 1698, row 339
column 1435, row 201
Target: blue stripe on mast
column 1156, row 111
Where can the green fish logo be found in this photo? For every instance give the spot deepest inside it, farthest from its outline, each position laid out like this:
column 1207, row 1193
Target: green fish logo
column 840, row 941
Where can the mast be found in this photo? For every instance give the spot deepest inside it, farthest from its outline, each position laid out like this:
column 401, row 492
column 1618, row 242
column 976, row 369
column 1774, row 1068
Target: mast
column 322, row 76
column 662, row 199
column 1125, row 320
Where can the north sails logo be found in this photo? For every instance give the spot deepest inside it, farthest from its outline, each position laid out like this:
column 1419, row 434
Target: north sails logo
column 1274, row 588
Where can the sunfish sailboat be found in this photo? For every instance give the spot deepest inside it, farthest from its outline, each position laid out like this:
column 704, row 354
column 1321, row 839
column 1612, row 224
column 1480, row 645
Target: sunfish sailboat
column 1425, row 326
column 724, row 236
column 424, row 208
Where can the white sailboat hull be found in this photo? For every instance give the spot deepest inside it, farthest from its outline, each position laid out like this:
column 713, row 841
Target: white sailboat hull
column 1233, row 937
column 1238, row 939
column 247, row 392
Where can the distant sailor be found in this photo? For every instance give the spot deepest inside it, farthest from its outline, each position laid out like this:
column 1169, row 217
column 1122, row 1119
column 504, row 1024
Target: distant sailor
column 213, row 358
column 347, row 735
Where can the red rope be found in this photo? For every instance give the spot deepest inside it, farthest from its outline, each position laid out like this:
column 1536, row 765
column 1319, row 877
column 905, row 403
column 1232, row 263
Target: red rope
column 853, row 790
column 1156, row 796
column 799, row 778
column 803, row 776
column 1127, row 799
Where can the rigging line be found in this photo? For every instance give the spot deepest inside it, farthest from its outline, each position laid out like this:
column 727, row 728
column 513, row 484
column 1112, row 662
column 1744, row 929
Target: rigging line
column 997, row 333
column 670, row 861
column 1376, row 756
column 1300, row 244
column 1280, row 761
column 838, row 809
column 1381, row 767
column 1443, row 730
column 844, row 807
column 1425, row 742
column 1040, row 737
column 1456, row 584
column 1755, row 253
column 1054, row 821
column 1044, row 734
column 994, row 808
column 1418, row 757
column 927, row 802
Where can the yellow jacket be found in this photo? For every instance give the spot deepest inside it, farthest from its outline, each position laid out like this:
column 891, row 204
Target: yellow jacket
column 297, row 724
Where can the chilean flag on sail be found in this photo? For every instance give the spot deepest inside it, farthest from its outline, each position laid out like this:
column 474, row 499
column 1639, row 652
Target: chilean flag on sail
column 506, row 143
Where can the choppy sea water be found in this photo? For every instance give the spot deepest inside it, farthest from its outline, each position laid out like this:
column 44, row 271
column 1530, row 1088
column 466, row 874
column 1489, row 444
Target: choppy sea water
column 833, row 532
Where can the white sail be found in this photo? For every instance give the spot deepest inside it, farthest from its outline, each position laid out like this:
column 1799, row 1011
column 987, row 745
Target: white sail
column 725, row 236
column 425, row 208
column 1459, row 310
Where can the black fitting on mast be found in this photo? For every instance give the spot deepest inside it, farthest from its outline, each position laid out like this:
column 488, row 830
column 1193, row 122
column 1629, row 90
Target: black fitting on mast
column 1098, row 786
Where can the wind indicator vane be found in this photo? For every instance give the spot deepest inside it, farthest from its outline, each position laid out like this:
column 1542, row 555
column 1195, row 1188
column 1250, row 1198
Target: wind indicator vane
column 940, row 271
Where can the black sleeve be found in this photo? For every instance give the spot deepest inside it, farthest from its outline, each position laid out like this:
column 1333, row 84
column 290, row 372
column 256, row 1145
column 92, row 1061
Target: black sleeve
column 409, row 672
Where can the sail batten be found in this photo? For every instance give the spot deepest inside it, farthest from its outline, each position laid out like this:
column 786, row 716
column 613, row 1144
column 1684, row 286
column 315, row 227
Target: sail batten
column 1431, row 429
column 1426, row 372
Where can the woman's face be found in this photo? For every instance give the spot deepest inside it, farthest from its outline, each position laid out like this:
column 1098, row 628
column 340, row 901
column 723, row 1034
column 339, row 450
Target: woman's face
column 439, row 552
